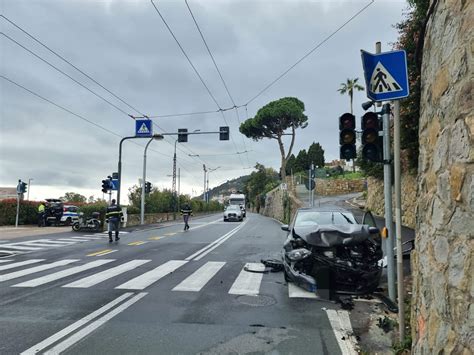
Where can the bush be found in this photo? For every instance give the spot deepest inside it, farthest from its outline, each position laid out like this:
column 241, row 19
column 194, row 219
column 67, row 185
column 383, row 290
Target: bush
column 28, row 212
column 100, row 207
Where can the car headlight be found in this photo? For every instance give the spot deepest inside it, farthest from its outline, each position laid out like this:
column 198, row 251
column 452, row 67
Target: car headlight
column 298, row 254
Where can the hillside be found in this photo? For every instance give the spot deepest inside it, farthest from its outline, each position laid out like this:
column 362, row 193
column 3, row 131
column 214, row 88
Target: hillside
column 229, row 186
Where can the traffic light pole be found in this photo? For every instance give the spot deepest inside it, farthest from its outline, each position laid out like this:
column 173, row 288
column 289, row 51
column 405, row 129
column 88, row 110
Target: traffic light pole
column 387, row 186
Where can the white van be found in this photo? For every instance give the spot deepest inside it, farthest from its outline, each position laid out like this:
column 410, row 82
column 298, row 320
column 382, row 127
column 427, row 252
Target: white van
column 238, row 199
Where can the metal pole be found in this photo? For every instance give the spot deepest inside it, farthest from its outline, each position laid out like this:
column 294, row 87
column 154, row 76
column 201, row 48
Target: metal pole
column 17, row 209
column 29, row 188
column 179, row 182
column 173, row 185
column 207, row 189
column 142, row 205
column 204, row 191
column 398, row 219
column 119, row 169
column 312, row 190
column 309, row 187
column 387, row 174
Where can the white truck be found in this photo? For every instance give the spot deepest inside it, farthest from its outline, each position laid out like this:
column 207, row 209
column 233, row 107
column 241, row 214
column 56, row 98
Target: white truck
column 238, row 199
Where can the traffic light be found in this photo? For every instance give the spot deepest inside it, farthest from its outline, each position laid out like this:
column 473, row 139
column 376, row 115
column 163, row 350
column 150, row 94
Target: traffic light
column 372, row 143
column 224, row 133
column 105, row 186
column 347, row 136
column 147, row 187
column 23, row 187
column 182, row 135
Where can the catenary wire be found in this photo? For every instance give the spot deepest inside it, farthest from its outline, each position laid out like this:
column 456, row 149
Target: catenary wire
column 195, row 70
column 85, row 74
column 218, row 71
column 327, row 38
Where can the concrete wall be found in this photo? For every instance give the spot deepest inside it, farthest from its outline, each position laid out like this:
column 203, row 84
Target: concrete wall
column 443, row 262
column 326, row 187
column 151, row 218
column 376, row 203
column 281, row 204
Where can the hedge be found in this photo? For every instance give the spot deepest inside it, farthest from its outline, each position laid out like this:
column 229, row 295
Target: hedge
column 28, row 212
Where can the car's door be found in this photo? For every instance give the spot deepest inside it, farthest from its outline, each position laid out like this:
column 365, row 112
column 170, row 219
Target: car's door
column 369, row 219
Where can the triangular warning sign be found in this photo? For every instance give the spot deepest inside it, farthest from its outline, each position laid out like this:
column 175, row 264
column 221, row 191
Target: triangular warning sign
column 143, row 129
column 382, row 81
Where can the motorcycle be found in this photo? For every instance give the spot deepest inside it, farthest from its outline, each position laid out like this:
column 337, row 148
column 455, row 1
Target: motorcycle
column 334, row 259
column 92, row 223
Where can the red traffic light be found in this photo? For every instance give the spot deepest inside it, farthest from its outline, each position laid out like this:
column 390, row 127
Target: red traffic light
column 347, row 121
column 370, row 120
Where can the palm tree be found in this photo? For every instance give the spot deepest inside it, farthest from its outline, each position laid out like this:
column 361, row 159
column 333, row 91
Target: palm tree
column 349, row 86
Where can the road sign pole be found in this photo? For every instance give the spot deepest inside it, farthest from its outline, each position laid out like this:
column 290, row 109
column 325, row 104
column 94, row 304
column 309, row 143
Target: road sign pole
column 387, row 178
column 398, row 220
column 309, row 187
column 17, row 209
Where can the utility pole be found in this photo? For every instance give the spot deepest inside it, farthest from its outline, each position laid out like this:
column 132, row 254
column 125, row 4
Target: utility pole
column 204, row 191
column 179, row 182
column 173, row 185
column 142, row 202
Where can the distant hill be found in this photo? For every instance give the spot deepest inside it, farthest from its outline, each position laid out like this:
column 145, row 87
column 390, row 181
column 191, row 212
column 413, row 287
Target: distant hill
column 229, row 186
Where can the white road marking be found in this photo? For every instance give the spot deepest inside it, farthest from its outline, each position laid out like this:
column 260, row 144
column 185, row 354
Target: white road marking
column 11, row 252
column 56, row 241
column 16, row 274
column 86, row 238
column 106, row 274
column 66, row 331
column 69, row 240
column 73, row 339
column 20, row 263
column 228, row 235
column 298, row 292
column 20, row 247
column 341, row 326
column 148, row 278
column 62, row 274
column 200, row 277
column 248, row 283
column 40, row 244
column 208, row 248
column 5, row 261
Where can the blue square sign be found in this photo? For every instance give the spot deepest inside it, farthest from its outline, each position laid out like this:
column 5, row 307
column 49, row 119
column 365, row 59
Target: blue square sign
column 143, row 128
column 386, row 76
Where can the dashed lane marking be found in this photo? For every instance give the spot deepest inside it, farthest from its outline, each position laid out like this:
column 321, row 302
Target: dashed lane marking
column 155, row 238
column 140, row 242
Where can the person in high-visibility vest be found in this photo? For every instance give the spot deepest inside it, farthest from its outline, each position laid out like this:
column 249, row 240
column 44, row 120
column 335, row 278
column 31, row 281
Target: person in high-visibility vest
column 41, row 209
column 113, row 217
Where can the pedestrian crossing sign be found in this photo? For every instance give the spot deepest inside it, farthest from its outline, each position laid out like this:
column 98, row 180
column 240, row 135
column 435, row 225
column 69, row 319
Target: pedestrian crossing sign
column 386, row 76
column 143, row 128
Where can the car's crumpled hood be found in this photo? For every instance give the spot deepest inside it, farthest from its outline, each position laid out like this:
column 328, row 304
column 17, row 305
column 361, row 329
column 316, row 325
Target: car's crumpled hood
column 333, row 234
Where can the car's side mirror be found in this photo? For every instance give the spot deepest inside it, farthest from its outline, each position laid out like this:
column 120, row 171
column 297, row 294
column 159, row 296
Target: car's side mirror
column 285, row 228
column 374, row 230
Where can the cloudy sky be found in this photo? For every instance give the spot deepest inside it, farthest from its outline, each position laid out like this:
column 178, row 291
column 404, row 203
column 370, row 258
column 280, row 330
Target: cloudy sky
column 125, row 46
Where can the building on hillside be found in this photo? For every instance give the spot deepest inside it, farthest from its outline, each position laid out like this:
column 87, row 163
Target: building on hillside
column 8, row 193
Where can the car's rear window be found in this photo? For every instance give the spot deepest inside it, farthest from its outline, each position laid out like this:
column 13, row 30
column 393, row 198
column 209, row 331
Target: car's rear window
column 309, row 218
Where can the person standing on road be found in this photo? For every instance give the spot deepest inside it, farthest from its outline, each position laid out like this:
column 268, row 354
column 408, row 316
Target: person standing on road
column 186, row 211
column 41, row 215
column 113, row 217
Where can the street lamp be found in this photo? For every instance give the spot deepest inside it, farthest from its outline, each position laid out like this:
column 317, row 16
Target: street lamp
column 29, row 188
column 142, row 209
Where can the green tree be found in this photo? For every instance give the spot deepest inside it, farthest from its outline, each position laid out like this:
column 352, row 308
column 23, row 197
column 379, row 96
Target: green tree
column 259, row 183
column 302, row 162
column 291, row 164
column 316, row 154
column 348, row 88
column 272, row 121
column 411, row 38
column 73, row 197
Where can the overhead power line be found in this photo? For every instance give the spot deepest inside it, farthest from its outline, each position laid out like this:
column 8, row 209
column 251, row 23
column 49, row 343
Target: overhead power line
column 70, row 77
column 219, row 72
column 310, row 52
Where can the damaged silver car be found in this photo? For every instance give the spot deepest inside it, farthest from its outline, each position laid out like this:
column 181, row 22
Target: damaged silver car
column 328, row 252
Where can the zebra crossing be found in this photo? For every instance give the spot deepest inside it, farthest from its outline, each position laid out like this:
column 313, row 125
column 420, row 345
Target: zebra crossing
column 245, row 283
column 25, row 247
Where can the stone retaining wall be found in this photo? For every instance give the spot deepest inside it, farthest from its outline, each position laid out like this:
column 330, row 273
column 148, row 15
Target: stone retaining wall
column 443, row 261
column 327, row 187
column 152, row 218
column 376, row 203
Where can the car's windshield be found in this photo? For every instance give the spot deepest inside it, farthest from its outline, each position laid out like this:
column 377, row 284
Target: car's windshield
column 236, row 201
column 233, row 208
column 309, row 218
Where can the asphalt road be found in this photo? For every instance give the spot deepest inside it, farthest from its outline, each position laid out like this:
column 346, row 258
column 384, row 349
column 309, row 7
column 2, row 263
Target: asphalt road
column 161, row 291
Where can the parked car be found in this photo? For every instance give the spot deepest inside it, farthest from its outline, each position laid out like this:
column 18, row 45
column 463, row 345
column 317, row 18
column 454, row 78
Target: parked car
column 327, row 252
column 57, row 213
column 233, row 213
